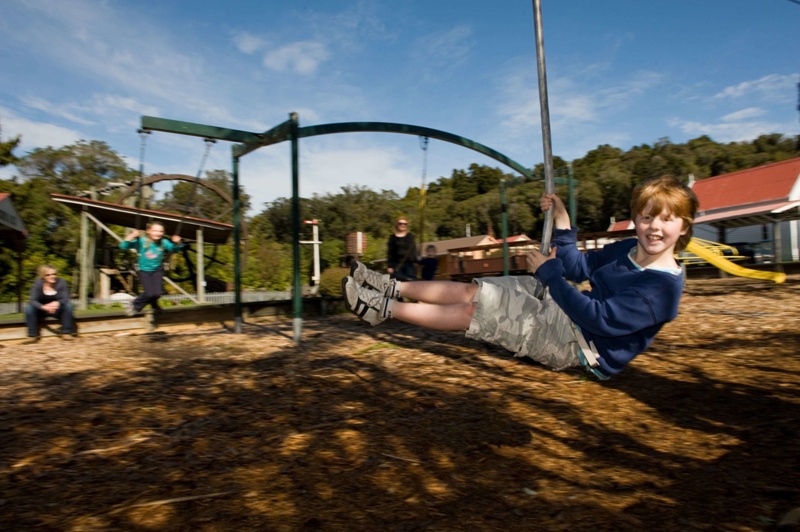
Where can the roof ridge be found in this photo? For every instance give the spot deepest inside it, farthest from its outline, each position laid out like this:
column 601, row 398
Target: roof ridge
column 754, row 168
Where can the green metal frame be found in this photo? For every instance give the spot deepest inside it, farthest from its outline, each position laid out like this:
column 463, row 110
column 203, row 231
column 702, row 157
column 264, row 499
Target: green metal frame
column 290, row 130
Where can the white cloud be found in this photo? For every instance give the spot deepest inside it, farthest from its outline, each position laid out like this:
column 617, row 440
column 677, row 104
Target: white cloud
column 374, row 167
column 99, row 108
column 303, row 57
column 773, row 86
column 348, row 29
column 568, row 106
column 110, row 46
column 583, row 101
column 571, row 102
column 442, row 52
column 327, row 165
column 744, row 114
column 60, row 111
column 621, row 93
column 36, row 134
column 247, row 42
column 727, row 131
column 110, row 104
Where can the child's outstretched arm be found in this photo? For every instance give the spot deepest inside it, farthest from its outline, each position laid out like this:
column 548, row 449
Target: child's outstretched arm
column 560, row 214
column 129, row 241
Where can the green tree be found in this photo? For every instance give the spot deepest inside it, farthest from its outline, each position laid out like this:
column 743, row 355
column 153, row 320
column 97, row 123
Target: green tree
column 7, row 149
column 54, row 230
column 464, row 187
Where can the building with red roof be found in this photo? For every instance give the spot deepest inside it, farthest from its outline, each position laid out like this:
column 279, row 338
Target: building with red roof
column 750, row 206
column 754, row 205
column 763, row 195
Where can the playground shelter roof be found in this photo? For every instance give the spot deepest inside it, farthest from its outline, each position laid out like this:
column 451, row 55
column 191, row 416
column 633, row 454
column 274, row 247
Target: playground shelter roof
column 11, row 227
column 111, row 213
column 761, row 195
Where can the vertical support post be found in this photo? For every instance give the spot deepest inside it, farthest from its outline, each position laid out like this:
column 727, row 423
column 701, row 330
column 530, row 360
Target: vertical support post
column 201, row 267
column 104, row 292
column 237, row 249
column 544, row 109
column 83, row 293
column 504, row 224
column 19, row 280
column 573, row 203
column 315, row 237
column 777, row 245
column 297, row 299
column 315, row 277
column 423, row 194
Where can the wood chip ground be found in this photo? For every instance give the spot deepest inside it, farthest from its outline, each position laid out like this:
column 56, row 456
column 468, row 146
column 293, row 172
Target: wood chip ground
column 394, row 428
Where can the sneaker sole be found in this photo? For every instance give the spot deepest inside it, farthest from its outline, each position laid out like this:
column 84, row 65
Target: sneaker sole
column 353, row 270
column 359, row 308
column 383, row 285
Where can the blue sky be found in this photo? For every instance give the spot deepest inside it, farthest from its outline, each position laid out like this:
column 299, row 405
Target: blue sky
column 624, row 73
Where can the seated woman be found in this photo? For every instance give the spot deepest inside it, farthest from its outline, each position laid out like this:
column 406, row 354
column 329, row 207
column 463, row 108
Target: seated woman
column 49, row 298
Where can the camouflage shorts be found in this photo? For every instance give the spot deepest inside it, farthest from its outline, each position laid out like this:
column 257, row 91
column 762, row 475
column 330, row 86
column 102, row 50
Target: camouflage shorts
column 509, row 315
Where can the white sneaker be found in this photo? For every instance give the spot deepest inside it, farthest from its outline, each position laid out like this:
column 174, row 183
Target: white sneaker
column 382, row 282
column 366, row 303
column 130, row 310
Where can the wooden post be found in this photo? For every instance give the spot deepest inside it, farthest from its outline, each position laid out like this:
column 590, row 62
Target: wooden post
column 83, row 293
column 201, row 268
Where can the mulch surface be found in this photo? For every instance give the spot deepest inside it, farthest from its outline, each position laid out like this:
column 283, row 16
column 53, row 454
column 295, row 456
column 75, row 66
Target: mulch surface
column 395, row 428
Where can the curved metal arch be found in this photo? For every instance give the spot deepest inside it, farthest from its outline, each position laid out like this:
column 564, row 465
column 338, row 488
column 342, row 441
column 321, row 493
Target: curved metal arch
column 248, row 141
column 281, row 134
column 157, row 178
column 419, row 131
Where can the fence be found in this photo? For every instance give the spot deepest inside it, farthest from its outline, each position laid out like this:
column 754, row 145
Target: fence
column 215, row 298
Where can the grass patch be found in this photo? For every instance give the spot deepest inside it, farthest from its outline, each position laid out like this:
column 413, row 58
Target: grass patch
column 379, row 346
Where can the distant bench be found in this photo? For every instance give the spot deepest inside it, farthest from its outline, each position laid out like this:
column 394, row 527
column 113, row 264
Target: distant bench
column 199, row 315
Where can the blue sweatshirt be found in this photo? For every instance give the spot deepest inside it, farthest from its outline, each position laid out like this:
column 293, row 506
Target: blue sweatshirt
column 151, row 254
column 626, row 306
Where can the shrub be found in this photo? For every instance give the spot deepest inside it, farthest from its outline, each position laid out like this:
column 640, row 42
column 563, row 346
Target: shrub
column 330, row 283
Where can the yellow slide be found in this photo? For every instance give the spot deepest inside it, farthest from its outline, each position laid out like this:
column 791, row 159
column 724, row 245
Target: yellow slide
column 730, row 267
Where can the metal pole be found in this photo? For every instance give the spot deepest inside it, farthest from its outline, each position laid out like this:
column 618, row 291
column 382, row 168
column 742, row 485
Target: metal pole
column 504, row 224
column 297, row 300
column 423, row 194
column 237, row 267
column 139, row 203
column 573, row 203
column 549, row 186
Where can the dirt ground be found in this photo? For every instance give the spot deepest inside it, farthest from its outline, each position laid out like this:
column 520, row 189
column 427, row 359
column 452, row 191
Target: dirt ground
column 394, row 428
